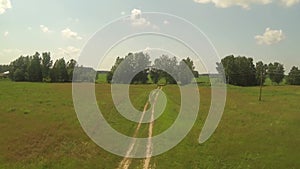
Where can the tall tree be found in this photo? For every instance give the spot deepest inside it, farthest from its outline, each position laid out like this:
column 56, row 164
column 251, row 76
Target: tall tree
column 238, row 70
column 70, row 68
column 113, row 69
column 133, row 67
column 227, row 66
column 4, row 68
column 59, row 71
column 34, row 68
column 261, row 72
column 46, row 65
column 276, row 72
column 186, row 71
column 165, row 67
column 294, row 76
column 18, row 69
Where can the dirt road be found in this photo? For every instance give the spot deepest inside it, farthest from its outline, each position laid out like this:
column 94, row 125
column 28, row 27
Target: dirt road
column 125, row 163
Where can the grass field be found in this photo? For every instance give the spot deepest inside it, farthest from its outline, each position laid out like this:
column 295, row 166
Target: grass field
column 39, row 129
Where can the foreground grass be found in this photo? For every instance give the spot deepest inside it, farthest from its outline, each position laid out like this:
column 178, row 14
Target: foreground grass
column 39, row 129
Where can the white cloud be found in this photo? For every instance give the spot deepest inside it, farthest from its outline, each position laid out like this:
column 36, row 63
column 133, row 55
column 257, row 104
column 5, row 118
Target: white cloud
column 229, row 3
column 137, row 19
column 68, row 33
column 4, row 5
column 290, row 3
column 123, row 13
column 270, row 37
column 166, row 22
column 70, row 51
column 45, row 29
column 5, row 34
column 29, row 28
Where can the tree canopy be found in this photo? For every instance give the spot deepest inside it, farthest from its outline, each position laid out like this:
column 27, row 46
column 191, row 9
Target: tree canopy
column 138, row 67
column 294, row 76
column 276, row 72
column 38, row 68
column 240, row 70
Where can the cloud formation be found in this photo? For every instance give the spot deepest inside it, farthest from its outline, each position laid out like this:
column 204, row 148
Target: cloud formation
column 45, row 29
column 5, row 34
column 229, row 3
column 270, row 37
column 246, row 3
column 290, row 3
column 4, row 5
column 69, row 51
column 68, row 33
column 137, row 19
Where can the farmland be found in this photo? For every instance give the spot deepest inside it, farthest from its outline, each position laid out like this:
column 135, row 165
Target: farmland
column 39, row 128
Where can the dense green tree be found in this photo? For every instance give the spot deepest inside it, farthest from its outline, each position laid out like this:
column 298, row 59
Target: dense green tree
column 227, row 67
column 141, row 77
column 59, row 71
column 155, row 75
column 163, row 67
column 18, row 75
column 186, row 70
column 276, row 72
column 134, row 64
column 70, row 68
column 46, row 66
column 294, row 76
column 113, row 69
column 4, row 68
column 38, row 68
column 238, row 71
column 261, row 72
column 34, row 68
column 19, row 69
column 189, row 63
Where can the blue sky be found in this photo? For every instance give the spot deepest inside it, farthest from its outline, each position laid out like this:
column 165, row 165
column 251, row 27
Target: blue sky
column 266, row 30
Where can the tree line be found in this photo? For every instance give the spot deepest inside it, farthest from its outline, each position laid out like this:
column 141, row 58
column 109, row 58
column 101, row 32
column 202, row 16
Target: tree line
column 241, row 71
column 40, row 68
column 137, row 68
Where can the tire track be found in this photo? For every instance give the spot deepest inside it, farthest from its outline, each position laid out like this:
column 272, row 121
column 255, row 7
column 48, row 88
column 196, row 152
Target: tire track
column 150, row 133
column 125, row 163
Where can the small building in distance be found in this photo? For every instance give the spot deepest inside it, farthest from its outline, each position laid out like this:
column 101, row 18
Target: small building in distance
column 4, row 75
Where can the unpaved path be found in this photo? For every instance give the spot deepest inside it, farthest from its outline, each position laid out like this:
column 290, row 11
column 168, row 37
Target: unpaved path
column 150, row 132
column 125, row 163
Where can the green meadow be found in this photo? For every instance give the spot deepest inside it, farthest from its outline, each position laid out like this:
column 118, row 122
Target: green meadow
column 39, row 128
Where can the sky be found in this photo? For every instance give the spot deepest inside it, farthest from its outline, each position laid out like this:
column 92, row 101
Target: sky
column 266, row 30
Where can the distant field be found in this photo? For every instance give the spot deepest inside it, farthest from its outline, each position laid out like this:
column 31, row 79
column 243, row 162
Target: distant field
column 39, row 129
column 101, row 78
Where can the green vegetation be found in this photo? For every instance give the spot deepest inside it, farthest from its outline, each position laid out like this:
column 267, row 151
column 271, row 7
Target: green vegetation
column 39, row 128
column 101, row 78
column 139, row 66
column 276, row 72
column 38, row 68
column 239, row 71
column 294, row 76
